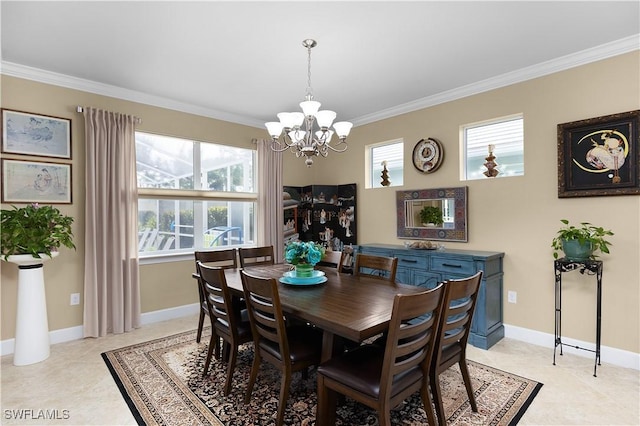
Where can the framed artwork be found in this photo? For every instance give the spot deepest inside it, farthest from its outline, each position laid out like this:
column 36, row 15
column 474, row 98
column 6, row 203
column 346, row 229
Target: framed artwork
column 33, row 134
column 35, row 182
column 599, row 156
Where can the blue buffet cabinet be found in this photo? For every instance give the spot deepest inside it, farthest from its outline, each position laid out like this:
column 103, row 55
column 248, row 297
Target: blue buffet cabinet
column 427, row 268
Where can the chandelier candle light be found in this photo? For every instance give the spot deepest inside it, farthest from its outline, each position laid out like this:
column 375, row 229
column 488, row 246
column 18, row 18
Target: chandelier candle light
column 295, row 130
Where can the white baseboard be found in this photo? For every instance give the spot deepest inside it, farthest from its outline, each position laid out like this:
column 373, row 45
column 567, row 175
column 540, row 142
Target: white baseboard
column 608, row 355
column 171, row 313
column 76, row 333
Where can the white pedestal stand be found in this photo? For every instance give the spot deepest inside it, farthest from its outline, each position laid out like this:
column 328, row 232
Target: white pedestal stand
column 32, row 327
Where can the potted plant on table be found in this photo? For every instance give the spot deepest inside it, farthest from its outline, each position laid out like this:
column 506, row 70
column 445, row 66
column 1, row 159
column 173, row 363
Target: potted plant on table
column 580, row 243
column 34, row 230
column 431, row 215
column 303, row 255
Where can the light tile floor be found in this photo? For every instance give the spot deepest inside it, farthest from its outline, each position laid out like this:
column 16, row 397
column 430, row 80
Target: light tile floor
column 75, row 383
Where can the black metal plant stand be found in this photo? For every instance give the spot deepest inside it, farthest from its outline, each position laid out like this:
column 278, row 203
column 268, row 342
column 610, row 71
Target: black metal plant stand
column 590, row 267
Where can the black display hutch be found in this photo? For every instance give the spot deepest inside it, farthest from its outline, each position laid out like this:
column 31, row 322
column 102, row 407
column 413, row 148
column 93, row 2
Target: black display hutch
column 322, row 213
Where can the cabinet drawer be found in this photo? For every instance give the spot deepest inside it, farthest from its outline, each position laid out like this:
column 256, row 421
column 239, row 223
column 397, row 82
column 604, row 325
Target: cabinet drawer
column 376, row 251
column 414, row 262
column 452, row 265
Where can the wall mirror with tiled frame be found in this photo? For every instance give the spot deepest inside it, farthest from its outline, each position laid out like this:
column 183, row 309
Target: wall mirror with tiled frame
column 451, row 201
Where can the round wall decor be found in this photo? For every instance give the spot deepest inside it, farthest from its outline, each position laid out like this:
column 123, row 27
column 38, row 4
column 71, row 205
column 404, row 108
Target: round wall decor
column 427, row 155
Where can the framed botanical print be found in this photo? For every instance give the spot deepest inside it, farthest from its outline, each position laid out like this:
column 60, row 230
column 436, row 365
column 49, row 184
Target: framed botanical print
column 599, row 156
column 34, row 134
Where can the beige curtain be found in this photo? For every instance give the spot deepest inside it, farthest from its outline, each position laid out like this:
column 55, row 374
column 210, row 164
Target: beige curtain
column 111, row 280
column 270, row 207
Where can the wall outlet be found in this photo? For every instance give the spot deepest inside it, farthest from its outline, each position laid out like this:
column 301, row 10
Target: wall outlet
column 75, row 298
column 512, row 297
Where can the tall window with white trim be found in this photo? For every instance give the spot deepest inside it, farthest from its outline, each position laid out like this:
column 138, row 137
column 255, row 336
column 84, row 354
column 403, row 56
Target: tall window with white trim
column 193, row 195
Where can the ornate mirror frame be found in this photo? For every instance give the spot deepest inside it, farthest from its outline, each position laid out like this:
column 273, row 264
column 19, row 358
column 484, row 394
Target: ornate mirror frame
column 452, row 200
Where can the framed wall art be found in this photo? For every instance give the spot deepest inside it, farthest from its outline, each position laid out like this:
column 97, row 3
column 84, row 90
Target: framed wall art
column 35, row 182
column 599, row 156
column 33, row 134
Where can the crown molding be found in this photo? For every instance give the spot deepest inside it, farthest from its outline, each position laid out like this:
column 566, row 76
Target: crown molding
column 63, row 80
column 573, row 60
column 597, row 53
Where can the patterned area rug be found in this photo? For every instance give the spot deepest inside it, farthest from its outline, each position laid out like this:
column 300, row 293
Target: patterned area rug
column 162, row 382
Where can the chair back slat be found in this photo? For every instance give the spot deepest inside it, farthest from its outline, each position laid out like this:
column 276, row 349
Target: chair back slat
column 256, row 256
column 380, row 267
column 224, row 258
column 334, row 259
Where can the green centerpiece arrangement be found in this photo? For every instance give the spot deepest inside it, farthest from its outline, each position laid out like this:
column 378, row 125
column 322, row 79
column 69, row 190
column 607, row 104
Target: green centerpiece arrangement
column 34, row 230
column 303, row 255
column 580, row 242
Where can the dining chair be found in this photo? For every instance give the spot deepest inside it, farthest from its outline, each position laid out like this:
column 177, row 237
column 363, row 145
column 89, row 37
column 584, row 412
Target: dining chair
column 381, row 267
column 333, row 259
column 381, row 377
column 224, row 258
column 256, row 256
column 451, row 341
column 226, row 322
column 289, row 349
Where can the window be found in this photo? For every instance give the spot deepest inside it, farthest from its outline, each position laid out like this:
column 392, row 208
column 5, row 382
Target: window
column 193, row 195
column 507, row 137
column 393, row 153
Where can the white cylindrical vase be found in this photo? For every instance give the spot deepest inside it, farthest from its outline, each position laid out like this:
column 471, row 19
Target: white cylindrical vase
column 32, row 327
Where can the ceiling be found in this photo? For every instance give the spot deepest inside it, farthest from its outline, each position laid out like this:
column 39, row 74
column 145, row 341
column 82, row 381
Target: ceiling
column 244, row 61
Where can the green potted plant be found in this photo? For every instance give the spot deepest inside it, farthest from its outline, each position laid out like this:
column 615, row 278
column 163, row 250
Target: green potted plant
column 580, row 243
column 431, row 214
column 34, row 230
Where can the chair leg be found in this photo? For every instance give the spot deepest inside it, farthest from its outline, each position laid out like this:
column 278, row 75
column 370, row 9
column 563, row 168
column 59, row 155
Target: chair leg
column 200, row 325
column 467, row 384
column 230, row 367
column 437, row 399
column 252, row 378
column 284, row 395
column 213, row 342
column 326, row 409
column 226, row 347
column 384, row 417
column 218, row 355
column 428, row 405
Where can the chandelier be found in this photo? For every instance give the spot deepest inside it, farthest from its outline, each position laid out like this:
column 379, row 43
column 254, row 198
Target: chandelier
column 295, row 130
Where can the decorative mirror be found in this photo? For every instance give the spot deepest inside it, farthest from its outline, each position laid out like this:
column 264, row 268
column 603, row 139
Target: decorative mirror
column 452, row 202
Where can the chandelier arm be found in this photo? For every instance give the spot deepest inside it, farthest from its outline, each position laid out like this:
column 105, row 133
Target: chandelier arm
column 335, row 149
column 277, row 145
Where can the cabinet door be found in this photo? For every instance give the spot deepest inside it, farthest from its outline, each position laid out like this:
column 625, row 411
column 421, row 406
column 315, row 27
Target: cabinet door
column 426, row 279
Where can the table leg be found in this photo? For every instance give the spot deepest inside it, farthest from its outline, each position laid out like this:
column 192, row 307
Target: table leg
column 331, row 345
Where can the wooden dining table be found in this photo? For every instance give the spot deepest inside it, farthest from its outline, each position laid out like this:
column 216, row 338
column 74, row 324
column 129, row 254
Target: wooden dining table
column 344, row 307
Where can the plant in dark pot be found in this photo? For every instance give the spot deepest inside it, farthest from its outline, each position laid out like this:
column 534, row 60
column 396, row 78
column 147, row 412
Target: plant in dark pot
column 431, row 215
column 582, row 242
column 34, row 230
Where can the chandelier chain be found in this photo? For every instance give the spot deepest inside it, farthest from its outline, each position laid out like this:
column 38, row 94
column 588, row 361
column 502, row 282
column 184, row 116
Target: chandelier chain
column 309, row 89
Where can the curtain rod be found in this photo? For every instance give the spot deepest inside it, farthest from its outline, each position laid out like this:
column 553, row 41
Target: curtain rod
column 81, row 109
